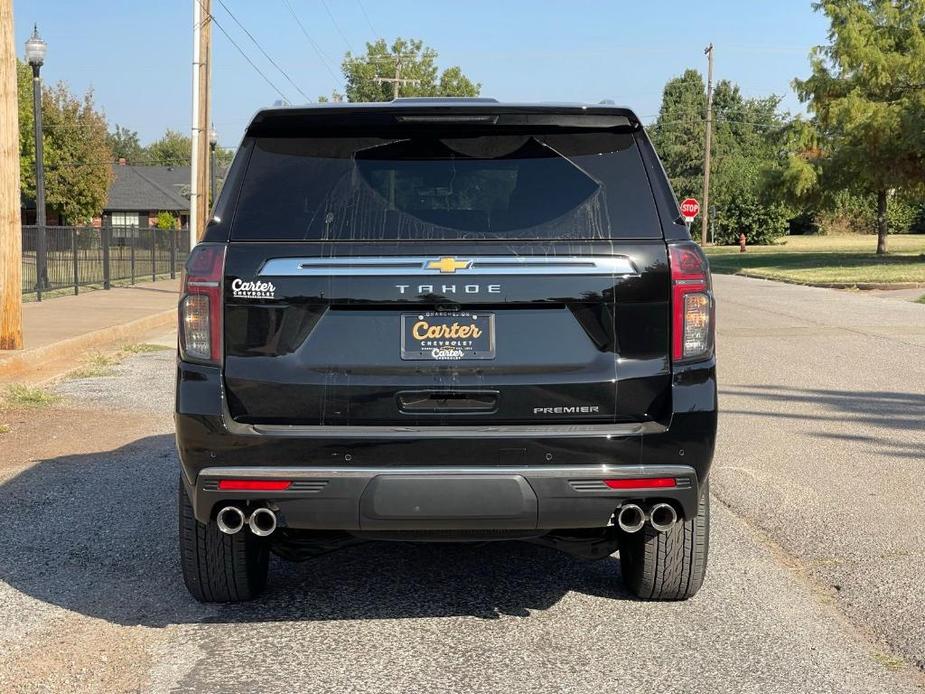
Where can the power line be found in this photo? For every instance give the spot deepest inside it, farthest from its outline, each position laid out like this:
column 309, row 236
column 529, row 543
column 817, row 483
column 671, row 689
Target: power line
column 366, row 16
column 389, row 58
column 243, row 54
column 337, row 26
column 311, row 41
column 265, row 54
column 716, row 119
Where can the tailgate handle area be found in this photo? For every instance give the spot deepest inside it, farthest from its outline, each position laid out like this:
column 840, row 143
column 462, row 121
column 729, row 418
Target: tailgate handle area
column 448, row 401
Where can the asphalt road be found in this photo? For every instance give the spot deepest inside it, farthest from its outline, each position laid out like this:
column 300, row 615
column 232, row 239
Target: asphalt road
column 817, row 484
column 822, row 442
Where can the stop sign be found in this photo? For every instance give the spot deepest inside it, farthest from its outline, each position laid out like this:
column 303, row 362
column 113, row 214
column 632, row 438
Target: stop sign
column 690, row 208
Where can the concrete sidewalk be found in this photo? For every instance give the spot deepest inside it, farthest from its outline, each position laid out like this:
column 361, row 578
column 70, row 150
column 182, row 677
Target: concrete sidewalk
column 60, row 330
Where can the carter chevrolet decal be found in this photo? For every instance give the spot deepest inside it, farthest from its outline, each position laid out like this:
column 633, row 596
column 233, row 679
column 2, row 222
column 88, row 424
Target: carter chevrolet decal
column 241, row 289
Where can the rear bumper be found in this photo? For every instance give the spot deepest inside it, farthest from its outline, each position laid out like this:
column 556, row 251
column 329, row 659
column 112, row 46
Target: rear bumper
column 416, row 498
column 434, row 478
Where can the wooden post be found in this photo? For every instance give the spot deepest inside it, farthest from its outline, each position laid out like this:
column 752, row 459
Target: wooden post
column 202, row 117
column 10, row 223
column 205, row 117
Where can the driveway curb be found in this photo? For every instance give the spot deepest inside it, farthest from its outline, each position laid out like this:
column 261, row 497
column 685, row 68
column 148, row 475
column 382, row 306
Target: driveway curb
column 22, row 362
column 886, row 286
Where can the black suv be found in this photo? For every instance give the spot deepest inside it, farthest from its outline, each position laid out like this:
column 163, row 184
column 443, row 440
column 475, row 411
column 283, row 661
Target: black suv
column 445, row 320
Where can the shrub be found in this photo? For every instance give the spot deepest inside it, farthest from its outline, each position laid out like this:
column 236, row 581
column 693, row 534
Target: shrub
column 762, row 223
column 918, row 223
column 849, row 213
column 900, row 214
column 804, row 223
column 165, row 220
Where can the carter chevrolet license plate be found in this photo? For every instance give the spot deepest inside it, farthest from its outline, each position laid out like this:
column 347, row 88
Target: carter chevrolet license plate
column 447, row 336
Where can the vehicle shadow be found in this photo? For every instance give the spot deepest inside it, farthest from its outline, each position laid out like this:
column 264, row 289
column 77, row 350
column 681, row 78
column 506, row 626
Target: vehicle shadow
column 891, row 416
column 97, row 534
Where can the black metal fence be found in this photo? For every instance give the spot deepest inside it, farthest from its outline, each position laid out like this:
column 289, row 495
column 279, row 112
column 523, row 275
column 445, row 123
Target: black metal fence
column 74, row 257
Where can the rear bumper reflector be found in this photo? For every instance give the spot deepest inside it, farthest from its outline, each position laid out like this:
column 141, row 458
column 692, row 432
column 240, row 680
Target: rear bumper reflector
column 643, row 483
column 254, row 485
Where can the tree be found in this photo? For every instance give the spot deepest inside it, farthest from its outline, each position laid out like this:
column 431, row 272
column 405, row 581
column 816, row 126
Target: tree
column 78, row 159
column 408, row 60
column 124, row 144
column 867, row 93
column 795, row 178
column 746, row 141
column 678, row 133
column 173, row 149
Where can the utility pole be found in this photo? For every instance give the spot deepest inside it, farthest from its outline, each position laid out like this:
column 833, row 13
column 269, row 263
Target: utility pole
column 396, row 81
column 202, row 116
column 10, row 227
column 705, row 220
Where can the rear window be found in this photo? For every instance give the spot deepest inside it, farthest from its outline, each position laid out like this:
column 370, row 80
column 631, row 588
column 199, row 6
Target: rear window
column 578, row 185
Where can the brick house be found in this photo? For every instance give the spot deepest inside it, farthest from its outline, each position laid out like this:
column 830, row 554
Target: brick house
column 139, row 193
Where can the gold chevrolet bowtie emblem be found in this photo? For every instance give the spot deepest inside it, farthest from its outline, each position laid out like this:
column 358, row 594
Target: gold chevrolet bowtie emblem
column 448, row 264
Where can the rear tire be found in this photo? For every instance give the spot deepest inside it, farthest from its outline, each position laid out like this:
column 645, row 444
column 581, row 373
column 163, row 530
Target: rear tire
column 669, row 565
column 219, row 567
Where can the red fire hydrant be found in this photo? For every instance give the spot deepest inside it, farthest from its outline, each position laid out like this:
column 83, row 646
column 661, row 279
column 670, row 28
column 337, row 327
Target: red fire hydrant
column 742, row 242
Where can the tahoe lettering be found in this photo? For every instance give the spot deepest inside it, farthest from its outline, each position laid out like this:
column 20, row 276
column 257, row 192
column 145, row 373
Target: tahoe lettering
column 450, row 288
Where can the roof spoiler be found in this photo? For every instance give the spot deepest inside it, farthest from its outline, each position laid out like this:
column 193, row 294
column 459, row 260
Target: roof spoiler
column 350, row 118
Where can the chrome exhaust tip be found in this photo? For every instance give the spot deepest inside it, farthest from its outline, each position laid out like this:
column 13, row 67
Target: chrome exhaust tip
column 662, row 517
column 230, row 520
column 631, row 518
column 262, row 522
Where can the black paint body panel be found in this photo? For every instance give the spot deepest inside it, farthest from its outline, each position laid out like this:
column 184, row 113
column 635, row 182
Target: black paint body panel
column 206, row 441
column 326, row 350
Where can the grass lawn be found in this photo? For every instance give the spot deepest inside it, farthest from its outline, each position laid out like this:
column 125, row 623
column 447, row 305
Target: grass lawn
column 828, row 260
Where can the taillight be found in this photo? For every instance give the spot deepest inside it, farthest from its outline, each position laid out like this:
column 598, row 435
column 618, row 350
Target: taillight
column 691, row 303
column 201, row 305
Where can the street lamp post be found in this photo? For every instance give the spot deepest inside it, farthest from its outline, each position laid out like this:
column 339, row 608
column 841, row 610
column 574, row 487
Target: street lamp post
column 35, row 56
column 213, row 141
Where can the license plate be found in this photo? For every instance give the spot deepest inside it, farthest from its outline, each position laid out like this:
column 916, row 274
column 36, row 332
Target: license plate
column 438, row 336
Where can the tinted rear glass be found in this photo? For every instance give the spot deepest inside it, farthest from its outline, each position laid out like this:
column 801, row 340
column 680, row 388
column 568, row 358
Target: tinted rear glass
column 579, row 185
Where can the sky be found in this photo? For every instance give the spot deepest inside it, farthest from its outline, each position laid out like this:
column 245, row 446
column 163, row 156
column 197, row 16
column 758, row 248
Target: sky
column 136, row 54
